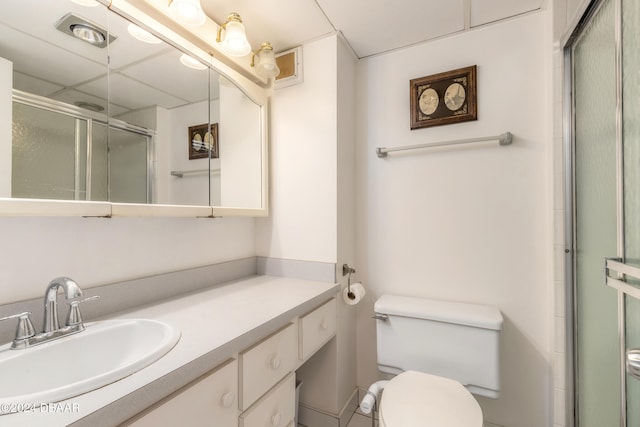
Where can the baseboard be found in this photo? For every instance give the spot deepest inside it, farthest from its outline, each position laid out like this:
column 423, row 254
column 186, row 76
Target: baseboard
column 349, row 409
column 311, row 417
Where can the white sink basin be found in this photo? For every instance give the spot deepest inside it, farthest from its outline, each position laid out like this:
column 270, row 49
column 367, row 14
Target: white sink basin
column 105, row 352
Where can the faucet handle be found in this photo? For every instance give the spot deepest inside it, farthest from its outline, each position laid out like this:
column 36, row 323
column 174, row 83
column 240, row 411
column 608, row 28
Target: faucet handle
column 25, row 328
column 74, row 317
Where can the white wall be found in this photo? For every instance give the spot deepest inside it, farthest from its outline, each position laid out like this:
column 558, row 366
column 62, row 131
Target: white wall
column 96, row 251
column 240, row 149
column 312, row 200
column 303, row 205
column 346, row 218
column 469, row 223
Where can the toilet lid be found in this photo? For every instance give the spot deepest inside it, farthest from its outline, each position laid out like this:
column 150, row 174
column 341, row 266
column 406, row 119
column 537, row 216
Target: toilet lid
column 416, row 399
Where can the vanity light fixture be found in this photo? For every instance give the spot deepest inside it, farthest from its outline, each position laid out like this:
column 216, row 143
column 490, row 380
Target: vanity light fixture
column 188, row 12
column 266, row 65
column 142, row 34
column 190, row 62
column 235, row 41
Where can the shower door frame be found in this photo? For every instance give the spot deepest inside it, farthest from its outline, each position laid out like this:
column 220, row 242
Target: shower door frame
column 570, row 183
column 91, row 117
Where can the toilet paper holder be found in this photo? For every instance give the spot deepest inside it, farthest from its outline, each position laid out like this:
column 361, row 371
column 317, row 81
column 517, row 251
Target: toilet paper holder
column 348, row 271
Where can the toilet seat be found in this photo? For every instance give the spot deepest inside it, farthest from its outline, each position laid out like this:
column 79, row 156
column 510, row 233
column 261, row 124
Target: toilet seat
column 417, row 399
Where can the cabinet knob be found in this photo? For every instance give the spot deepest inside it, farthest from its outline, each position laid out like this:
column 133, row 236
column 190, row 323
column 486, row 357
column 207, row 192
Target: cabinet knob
column 324, row 324
column 227, row 399
column 275, row 420
column 275, row 362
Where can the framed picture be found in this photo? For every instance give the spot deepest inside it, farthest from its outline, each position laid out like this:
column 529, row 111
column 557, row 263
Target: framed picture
column 444, row 98
column 203, row 143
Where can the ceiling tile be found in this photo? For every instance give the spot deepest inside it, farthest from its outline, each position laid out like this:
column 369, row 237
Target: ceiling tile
column 131, row 93
column 73, row 96
column 485, row 11
column 166, row 73
column 373, row 26
column 284, row 23
column 38, row 58
column 33, row 85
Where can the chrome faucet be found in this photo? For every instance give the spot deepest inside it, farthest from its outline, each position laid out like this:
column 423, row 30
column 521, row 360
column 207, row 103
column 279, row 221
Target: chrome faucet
column 71, row 290
column 25, row 334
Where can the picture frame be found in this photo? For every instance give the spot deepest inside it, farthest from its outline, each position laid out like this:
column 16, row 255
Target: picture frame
column 203, row 143
column 444, row 98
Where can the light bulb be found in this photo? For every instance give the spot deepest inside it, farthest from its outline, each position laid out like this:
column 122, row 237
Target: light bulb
column 188, row 12
column 235, row 40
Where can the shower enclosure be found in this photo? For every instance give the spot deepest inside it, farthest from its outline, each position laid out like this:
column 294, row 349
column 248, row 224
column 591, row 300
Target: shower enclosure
column 66, row 153
column 604, row 88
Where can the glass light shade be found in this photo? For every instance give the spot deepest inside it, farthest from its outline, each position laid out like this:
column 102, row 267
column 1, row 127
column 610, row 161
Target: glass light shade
column 190, row 62
column 235, row 41
column 266, row 66
column 142, row 34
column 188, row 12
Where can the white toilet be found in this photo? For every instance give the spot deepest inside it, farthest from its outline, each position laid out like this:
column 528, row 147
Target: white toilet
column 440, row 352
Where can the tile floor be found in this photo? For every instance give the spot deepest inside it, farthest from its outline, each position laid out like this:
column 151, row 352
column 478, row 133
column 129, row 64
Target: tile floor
column 359, row 420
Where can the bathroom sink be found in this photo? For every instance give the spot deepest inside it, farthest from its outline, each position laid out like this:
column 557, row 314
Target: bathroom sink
column 105, row 352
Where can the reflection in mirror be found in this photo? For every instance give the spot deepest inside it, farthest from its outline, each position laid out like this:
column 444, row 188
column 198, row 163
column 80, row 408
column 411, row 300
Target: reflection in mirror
column 151, row 127
column 155, row 96
column 240, row 147
column 50, row 71
column 207, row 140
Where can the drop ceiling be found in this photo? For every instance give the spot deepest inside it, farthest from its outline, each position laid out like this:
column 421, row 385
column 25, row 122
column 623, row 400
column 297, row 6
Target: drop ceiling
column 370, row 26
column 52, row 64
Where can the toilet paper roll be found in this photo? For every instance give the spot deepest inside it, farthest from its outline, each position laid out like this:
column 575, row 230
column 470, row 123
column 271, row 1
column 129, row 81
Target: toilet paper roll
column 356, row 295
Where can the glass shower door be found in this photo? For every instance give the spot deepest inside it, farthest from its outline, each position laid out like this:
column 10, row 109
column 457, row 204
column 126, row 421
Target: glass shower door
column 44, row 148
column 606, row 95
column 597, row 362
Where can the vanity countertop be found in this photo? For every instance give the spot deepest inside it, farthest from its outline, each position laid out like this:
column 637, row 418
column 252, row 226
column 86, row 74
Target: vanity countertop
column 216, row 324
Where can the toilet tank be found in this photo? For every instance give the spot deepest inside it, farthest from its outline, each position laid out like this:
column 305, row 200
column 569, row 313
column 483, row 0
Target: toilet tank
column 450, row 339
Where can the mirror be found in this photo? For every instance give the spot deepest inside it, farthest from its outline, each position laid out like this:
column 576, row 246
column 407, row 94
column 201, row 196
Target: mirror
column 154, row 126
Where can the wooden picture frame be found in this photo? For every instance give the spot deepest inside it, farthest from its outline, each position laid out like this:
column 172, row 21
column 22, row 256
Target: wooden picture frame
column 202, row 143
column 444, row 98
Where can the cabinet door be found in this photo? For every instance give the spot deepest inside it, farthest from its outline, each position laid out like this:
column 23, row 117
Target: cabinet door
column 209, row 401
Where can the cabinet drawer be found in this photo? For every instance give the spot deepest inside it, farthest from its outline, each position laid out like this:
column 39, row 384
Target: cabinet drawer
column 263, row 365
column 316, row 328
column 276, row 409
column 211, row 399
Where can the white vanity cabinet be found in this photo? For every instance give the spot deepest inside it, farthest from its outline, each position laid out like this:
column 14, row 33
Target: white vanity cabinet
column 266, row 363
column 254, row 389
column 316, row 328
column 274, row 409
column 210, row 400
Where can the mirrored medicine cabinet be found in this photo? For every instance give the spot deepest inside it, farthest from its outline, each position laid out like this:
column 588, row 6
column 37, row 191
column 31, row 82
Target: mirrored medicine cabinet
column 109, row 120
